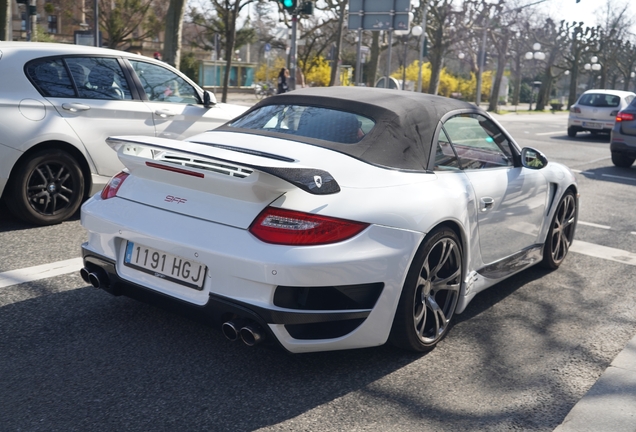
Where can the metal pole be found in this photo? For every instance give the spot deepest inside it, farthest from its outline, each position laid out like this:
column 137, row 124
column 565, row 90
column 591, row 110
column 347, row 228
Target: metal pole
column 388, row 64
column 406, row 40
column 27, row 23
column 422, row 42
column 96, row 18
column 359, row 58
column 292, row 53
column 481, row 63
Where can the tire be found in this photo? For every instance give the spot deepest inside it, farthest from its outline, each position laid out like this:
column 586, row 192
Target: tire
column 46, row 189
column 572, row 132
column 622, row 161
column 430, row 293
column 561, row 233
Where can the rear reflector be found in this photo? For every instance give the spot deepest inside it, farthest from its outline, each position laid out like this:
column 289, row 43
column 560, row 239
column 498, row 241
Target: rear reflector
column 624, row 116
column 293, row 228
column 113, row 185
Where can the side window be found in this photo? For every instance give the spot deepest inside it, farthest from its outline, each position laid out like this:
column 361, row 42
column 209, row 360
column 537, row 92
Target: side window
column 163, row 85
column 98, row 78
column 478, row 142
column 445, row 157
column 50, row 78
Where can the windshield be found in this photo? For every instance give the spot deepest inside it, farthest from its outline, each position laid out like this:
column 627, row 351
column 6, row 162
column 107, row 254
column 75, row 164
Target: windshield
column 308, row 121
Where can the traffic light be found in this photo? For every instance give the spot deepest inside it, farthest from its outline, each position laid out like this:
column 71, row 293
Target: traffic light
column 289, row 5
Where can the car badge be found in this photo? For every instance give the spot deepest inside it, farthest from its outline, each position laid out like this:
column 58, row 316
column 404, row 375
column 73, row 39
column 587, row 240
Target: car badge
column 318, row 181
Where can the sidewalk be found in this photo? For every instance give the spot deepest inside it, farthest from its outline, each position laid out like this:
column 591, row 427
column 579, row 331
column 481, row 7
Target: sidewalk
column 610, row 405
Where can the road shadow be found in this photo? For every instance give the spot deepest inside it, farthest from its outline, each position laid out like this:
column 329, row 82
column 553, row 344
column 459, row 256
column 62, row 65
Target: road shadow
column 626, row 176
column 584, row 137
column 8, row 222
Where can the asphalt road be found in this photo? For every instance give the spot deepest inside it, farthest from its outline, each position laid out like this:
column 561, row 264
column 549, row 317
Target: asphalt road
column 519, row 358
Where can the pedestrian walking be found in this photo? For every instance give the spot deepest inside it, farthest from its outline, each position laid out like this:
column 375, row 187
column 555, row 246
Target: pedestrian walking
column 282, row 80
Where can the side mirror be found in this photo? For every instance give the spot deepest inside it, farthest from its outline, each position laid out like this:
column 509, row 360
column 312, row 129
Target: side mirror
column 533, row 159
column 208, row 99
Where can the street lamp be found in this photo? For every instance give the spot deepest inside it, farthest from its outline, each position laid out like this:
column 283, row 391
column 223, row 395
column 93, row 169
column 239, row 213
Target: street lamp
column 536, row 55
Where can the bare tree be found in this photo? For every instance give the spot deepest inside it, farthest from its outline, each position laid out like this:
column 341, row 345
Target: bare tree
column 174, row 30
column 222, row 19
column 126, row 21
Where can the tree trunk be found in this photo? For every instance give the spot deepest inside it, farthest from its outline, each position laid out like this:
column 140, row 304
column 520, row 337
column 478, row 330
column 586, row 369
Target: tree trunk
column 174, row 26
column 436, row 57
column 336, row 60
column 5, row 20
column 502, row 49
column 374, row 58
column 230, row 34
column 517, row 86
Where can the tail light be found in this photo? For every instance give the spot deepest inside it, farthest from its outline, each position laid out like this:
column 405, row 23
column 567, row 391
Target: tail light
column 624, row 116
column 575, row 110
column 614, row 113
column 113, row 185
column 294, row 228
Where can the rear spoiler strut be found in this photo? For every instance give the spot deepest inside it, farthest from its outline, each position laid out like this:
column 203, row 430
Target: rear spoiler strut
column 312, row 180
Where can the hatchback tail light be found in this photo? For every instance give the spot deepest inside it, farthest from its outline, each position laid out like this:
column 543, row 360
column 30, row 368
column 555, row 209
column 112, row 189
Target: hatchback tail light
column 294, row 228
column 575, row 110
column 114, row 184
column 624, row 116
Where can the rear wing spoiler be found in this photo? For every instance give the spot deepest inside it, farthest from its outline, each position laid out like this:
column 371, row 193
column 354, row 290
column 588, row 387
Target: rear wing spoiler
column 312, row 180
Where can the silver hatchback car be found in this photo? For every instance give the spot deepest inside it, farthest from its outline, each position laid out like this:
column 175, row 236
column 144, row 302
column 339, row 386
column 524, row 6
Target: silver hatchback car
column 59, row 103
column 596, row 110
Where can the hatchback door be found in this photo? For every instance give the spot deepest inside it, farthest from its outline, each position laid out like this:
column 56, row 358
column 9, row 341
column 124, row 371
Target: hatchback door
column 598, row 108
column 96, row 103
column 175, row 103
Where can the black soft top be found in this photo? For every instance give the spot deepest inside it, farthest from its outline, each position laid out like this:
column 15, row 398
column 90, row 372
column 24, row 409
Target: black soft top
column 405, row 121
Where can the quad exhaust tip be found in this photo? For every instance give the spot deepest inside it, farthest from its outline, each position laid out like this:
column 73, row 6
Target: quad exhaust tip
column 250, row 333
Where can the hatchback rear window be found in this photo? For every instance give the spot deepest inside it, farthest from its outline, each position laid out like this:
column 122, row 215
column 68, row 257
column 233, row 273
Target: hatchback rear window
column 600, row 100
column 308, row 121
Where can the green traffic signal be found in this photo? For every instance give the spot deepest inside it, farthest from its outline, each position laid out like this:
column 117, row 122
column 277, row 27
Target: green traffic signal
column 289, row 5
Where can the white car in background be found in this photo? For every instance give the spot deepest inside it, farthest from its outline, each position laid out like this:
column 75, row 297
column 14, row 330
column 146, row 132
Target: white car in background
column 596, row 110
column 59, row 103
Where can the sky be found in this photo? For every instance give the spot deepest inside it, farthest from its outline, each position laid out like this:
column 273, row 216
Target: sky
column 585, row 10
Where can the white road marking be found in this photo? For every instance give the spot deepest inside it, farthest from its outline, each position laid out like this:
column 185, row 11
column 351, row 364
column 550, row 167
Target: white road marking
column 603, row 252
column 576, row 171
column 594, row 225
column 29, row 274
column 619, row 177
column 551, row 133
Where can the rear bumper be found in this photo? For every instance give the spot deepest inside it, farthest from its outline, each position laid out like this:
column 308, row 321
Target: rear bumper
column 581, row 125
column 248, row 279
column 623, row 148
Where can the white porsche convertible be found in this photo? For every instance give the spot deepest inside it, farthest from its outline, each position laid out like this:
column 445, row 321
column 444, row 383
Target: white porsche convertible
column 329, row 218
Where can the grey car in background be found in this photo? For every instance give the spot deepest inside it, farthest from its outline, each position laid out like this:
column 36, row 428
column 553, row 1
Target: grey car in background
column 623, row 141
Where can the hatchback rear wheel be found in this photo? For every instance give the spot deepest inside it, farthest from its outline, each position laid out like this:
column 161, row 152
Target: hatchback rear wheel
column 46, row 189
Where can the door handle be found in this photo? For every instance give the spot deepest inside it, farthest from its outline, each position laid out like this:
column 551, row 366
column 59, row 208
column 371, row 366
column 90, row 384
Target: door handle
column 487, row 203
column 75, row 107
column 164, row 113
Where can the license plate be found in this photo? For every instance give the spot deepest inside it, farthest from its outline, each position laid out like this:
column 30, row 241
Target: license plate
column 592, row 125
column 165, row 266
